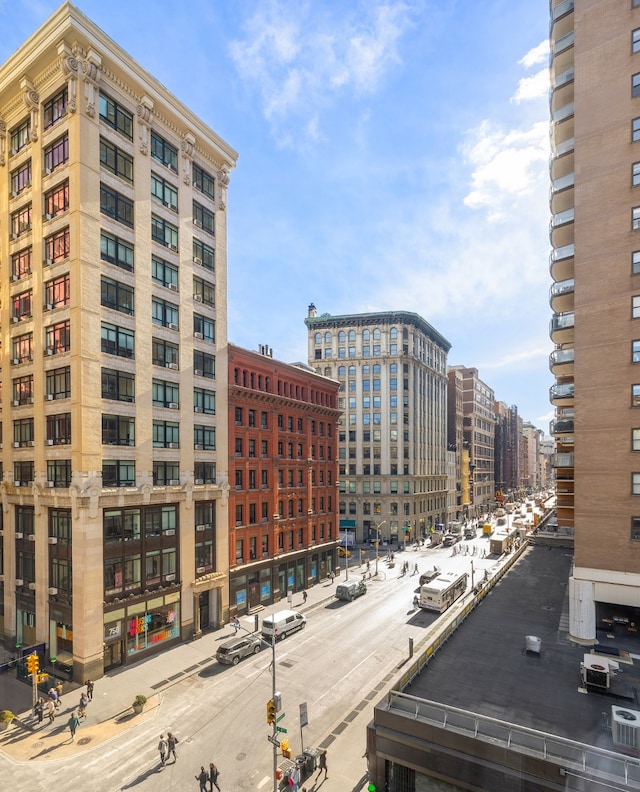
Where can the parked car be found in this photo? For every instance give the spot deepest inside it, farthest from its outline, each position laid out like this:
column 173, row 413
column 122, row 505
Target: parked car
column 349, row 591
column 282, row 623
column 231, row 652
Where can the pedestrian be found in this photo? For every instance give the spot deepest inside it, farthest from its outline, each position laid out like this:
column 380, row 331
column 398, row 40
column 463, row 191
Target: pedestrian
column 415, row 570
column 89, row 690
column 332, row 575
column 213, row 776
column 59, row 690
column 162, row 748
column 236, row 624
column 323, row 766
column 51, row 710
column 38, row 709
column 171, row 745
column 73, row 724
column 304, row 597
column 294, row 779
column 202, row 779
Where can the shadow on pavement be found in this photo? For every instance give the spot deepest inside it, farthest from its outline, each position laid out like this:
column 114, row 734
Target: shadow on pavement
column 143, row 777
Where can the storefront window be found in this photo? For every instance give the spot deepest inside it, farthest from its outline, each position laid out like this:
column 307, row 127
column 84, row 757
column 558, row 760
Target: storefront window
column 157, row 624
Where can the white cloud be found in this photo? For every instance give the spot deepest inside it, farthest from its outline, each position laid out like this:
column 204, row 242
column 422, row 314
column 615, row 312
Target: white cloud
column 536, row 55
column 533, row 87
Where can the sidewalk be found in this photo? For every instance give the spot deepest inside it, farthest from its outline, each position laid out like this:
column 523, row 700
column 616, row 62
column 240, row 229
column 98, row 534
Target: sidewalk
column 110, row 712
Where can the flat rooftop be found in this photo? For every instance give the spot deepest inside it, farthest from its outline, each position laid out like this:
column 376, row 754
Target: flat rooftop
column 485, row 668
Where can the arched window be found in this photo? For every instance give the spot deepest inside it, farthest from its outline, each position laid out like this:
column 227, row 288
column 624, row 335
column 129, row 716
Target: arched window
column 376, row 334
column 366, row 335
column 393, row 333
column 352, row 335
column 341, row 336
column 341, row 371
column 352, row 371
column 327, row 338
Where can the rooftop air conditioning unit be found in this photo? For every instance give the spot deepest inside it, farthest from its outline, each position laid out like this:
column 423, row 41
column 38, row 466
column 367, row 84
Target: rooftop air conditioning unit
column 172, row 286
column 170, row 577
column 53, row 540
column 200, row 527
column 197, row 409
column 198, row 446
column 172, row 326
column 197, row 298
column 19, row 582
column 174, row 482
column 173, row 406
column 197, row 372
column 199, row 481
column 625, row 727
column 173, row 445
column 197, row 260
column 195, row 335
column 53, row 591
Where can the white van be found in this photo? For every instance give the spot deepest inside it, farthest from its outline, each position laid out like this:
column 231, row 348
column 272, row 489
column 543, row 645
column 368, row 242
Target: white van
column 283, row 622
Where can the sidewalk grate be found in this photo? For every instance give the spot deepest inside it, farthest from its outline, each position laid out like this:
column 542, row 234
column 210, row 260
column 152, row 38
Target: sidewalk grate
column 160, row 684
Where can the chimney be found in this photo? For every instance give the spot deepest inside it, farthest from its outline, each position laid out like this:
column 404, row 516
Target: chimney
column 312, row 310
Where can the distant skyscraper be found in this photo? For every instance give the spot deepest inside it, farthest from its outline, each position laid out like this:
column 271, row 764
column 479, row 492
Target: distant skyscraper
column 392, row 443
column 114, row 329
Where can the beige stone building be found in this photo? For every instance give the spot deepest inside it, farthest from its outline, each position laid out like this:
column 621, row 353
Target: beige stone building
column 114, row 376
column 595, row 297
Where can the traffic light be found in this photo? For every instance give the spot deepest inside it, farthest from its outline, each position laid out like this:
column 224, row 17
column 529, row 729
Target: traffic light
column 271, row 711
column 33, row 663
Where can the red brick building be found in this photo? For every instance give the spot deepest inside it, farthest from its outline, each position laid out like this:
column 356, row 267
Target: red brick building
column 283, row 533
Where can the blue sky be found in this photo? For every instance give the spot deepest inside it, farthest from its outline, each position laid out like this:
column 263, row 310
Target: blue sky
column 393, row 156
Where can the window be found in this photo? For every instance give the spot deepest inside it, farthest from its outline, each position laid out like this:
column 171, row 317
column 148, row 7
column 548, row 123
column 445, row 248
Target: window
column 60, row 574
column 115, row 205
column 57, row 291
column 116, row 295
column 116, row 160
column 635, row 529
column 21, row 135
column 164, row 192
column 21, row 305
column 164, row 314
column 635, row 130
column 204, row 292
column 56, row 246
column 204, row 557
column 205, row 326
column 635, row 85
column 54, row 109
column 118, row 473
column 164, row 353
column 23, row 432
column 164, row 233
column 21, row 178
column 164, row 393
column 56, row 153
column 118, row 430
column 59, row 429
column 204, row 365
column 116, row 251
column 164, row 273
column 635, row 439
column 204, row 437
column 164, row 152
column 21, row 221
column 203, row 218
column 203, row 181
column 205, row 472
column 117, row 340
column 118, row 385
column 635, row 40
column 635, row 395
column 59, row 471
column 58, row 337
column 23, row 473
column 56, row 201
column 21, row 264
column 635, row 351
column 204, row 401
column 166, row 434
column 635, row 483
column 635, row 307
column 58, row 383
column 116, row 116
column 60, row 525
column 203, row 255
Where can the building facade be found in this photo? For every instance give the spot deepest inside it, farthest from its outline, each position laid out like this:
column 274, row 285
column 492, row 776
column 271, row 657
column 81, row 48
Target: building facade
column 392, row 443
column 283, row 427
column 595, row 299
column 113, row 330
column 508, row 431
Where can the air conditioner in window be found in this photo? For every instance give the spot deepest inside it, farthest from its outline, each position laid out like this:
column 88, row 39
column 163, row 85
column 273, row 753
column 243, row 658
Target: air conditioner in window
column 30, row 400
column 51, row 483
column 29, row 443
column 50, row 396
column 173, row 247
column 19, row 535
column 199, row 481
column 31, row 537
column 169, row 577
column 48, row 216
column 198, row 446
column 15, row 319
column 197, row 372
column 172, row 366
column 15, row 193
column 48, row 171
column 53, row 540
column 14, row 235
column 53, row 591
column 198, row 336
column 15, row 402
column 48, row 307
column 174, row 482
column 32, row 586
column 48, row 262
column 200, row 527
column 19, row 582
column 15, row 278
column 172, row 326
column 173, row 406
column 197, row 260
column 50, row 350
column 170, row 532
column 49, row 441
column 172, row 286
column 197, row 297
column 199, row 570
column 197, row 223
column 197, row 409
column 173, row 445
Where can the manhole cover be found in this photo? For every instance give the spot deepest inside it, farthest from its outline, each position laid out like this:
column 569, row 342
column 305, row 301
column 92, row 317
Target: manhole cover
column 84, row 740
column 37, row 745
column 241, row 757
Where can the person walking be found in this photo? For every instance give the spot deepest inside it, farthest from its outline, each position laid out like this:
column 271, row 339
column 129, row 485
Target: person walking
column 73, row 724
column 304, row 597
column 82, row 706
column 323, row 766
column 213, row 777
column 202, row 779
column 51, row 710
column 38, row 709
column 53, row 696
column 89, row 690
column 171, row 745
column 236, row 624
column 162, row 749
column 332, row 575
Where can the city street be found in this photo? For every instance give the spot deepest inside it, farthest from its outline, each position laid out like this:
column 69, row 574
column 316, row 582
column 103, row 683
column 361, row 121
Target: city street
column 219, row 712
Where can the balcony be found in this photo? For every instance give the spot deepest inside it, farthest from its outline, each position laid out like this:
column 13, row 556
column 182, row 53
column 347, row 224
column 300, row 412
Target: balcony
column 562, row 8
column 563, row 43
column 561, row 362
column 562, row 460
column 563, row 182
column 561, row 426
column 561, row 147
column 561, row 393
column 561, row 295
column 563, row 113
column 561, row 328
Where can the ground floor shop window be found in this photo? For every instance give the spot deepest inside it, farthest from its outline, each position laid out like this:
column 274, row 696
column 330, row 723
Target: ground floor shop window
column 154, row 624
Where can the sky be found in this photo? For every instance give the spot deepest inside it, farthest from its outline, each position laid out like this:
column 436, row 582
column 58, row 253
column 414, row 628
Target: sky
column 393, row 155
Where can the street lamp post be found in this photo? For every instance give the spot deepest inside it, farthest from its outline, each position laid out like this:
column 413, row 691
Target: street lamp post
column 378, row 527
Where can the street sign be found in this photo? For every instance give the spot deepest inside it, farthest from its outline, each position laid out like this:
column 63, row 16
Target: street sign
column 280, row 717
column 304, row 718
column 281, row 729
column 273, row 740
